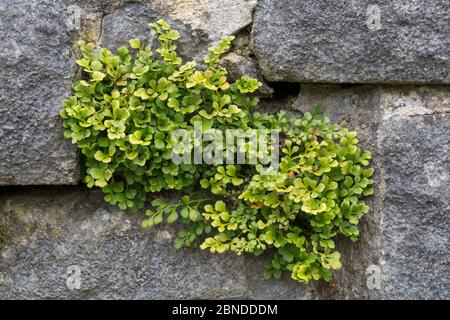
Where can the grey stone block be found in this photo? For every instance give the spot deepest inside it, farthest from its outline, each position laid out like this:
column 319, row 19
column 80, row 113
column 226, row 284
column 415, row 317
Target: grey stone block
column 363, row 41
column 37, row 67
column 200, row 23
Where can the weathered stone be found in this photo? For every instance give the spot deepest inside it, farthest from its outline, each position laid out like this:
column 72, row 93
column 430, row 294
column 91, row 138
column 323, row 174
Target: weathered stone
column 239, row 66
column 217, row 18
column 402, row 251
column 416, row 217
column 37, row 65
column 345, row 42
column 131, row 21
column 200, row 23
column 46, row 239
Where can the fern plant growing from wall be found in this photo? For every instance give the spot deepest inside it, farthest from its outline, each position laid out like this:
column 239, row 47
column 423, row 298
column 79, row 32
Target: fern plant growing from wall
column 126, row 115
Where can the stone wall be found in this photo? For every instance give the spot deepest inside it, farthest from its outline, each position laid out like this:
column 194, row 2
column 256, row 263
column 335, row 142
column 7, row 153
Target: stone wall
column 382, row 66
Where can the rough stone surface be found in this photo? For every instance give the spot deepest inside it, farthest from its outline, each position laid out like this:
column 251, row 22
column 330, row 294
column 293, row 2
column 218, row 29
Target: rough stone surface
column 240, row 66
column 416, row 224
column 342, row 41
column 37, row 64
column 44, row 239
column 218, row 18
column 131, row 21
column 200, row 23
column 405, row 235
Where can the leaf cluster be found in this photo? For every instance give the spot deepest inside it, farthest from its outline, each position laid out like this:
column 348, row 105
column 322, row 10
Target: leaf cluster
column 122, row 115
